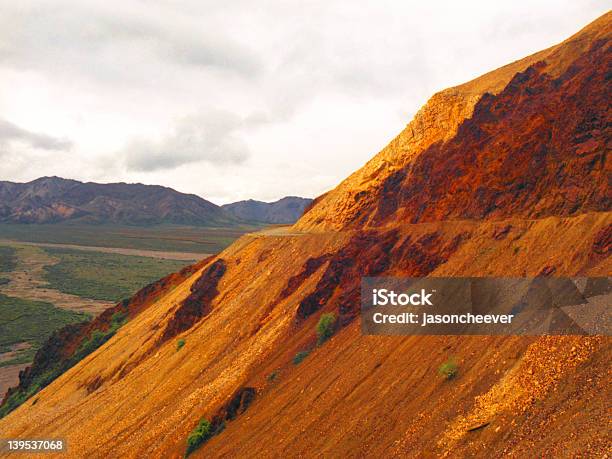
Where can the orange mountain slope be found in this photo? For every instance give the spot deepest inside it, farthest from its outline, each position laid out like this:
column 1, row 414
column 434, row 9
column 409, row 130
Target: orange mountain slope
column 439, row 120
column 503, row 176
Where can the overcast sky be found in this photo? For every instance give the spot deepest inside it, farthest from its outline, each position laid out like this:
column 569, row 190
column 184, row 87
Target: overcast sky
column 241, row 99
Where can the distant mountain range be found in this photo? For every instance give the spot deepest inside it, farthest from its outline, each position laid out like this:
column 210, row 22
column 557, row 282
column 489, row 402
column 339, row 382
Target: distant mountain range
column 285, row 210
column 55, row 199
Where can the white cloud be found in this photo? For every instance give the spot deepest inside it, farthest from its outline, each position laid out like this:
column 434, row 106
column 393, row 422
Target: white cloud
column 211, row 137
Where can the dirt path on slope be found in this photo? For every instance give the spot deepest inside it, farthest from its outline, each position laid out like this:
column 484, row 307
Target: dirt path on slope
column 27, row 281
column 278, row 231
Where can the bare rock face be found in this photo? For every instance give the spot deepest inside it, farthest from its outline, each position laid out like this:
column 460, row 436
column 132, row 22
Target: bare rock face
column 536, row 149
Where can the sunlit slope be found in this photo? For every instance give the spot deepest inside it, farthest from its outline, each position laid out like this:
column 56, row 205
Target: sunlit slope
column 354, row 394
column 246, row 313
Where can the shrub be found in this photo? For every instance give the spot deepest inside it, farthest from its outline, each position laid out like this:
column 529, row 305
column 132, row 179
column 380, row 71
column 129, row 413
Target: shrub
column 199, row 435
column 180, row 343
column 325, row 327
column 448, row 369
column 272, row 376
column 300, row 356
column 118, row 320
column 88, row 345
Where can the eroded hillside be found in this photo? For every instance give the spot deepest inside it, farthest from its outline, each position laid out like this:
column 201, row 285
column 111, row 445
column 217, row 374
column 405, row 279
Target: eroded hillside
column 221, row 344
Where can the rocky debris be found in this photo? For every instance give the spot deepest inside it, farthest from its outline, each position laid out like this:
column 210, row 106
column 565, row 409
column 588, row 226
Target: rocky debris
column 478, row 426
column 501, row 233
column 546, row 362
column 603, row 241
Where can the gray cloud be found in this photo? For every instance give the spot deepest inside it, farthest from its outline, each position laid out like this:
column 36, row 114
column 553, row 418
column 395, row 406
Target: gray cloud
column 10, row 132
column 212, row 137
column 101, row 40
column 226, row 55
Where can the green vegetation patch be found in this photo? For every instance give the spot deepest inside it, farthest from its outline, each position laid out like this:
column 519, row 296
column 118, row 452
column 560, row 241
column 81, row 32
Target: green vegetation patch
column 300, row 356
column 325, row 327
column 202, row 433
column 97, row 339
column 179, row 344
column 20, row 357
column 32, row 322
column 105, row 276
column 159, row 237
column 449, row 369
column 199, row 435
column 8, row 259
